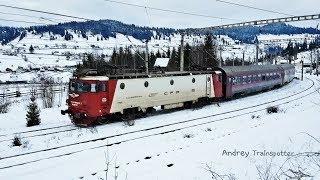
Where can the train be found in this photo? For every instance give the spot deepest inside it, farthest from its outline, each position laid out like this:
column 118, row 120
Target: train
column 100, row 99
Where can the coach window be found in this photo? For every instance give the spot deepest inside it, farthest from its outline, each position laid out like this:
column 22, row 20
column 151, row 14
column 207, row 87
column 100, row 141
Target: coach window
column 193, row 80
column 249, row 79
column 234, row 81
column 171, row 82
column 146, row 84
column 244, row 80
column 122, row 85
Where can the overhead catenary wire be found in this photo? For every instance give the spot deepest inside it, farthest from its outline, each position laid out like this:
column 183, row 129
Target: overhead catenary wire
column 21, row 21
column 252, row 7
column 256, row 8
column 55, row 20
column 46, row 12
column 170, row 10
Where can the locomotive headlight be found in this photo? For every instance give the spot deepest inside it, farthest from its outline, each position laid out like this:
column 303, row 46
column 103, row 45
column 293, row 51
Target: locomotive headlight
column 104, row 100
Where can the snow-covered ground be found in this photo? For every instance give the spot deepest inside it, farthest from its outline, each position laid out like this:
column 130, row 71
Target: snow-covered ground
column 190, row 152
column 190, row 143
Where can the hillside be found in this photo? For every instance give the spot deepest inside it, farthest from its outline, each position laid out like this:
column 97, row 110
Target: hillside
column 109, row 28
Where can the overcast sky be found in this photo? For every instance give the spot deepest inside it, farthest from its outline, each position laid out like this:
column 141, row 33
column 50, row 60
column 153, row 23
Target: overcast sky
column 100, row 9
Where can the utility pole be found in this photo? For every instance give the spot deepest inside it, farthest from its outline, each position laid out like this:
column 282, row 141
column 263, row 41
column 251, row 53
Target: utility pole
column 311, row 63
column 233, row 58
column 301, row 70
column 182, row 53
column 243, row 58
column 134, row 65
column 317, row 63
column 257, row 50
column 220, row 56
column 147, row 58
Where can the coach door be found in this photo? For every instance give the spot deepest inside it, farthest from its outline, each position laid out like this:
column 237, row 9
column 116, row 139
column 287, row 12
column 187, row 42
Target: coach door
column 208, row 85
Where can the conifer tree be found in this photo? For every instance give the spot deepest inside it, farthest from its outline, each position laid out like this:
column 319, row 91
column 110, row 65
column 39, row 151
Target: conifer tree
column 31, row 49
column 187, row 56
column 210, row 58
column 33, row 114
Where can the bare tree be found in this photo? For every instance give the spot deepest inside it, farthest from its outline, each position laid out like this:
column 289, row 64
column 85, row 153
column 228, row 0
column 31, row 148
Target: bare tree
column 47, row 94
column 4, row 103
column 217, row 176
column 297, row 166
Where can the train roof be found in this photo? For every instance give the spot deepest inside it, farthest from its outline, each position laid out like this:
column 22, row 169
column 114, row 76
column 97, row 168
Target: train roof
column 229, row 70
column 286, row 66
column 143, row 75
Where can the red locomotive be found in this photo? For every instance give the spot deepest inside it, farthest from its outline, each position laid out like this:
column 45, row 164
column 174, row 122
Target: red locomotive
column 93, row 99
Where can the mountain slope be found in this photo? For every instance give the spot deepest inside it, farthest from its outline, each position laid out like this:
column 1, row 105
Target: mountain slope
column 109, row 28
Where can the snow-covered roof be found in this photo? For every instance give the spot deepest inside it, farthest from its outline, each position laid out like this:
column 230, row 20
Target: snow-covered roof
column 161, row 62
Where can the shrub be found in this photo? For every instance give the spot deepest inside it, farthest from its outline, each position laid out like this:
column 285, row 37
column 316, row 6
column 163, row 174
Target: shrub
column 188, row 136
column 16, row 141
column 4, row 107
column 272, row 109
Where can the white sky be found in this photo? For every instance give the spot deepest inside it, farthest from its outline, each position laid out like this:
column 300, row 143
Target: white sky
column 100, row 9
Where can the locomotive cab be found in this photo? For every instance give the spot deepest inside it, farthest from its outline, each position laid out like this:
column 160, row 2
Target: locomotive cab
column 87, row 100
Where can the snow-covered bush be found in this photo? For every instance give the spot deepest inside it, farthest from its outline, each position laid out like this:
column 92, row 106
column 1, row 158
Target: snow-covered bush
column 188, row 136
column 272, row 109
column 4, row 107
column 4, row 104
column 16, row 141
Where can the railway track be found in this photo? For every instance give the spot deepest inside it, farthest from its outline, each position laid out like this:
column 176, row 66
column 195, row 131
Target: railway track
column 157, row 129
column 75, row 128
column 35, row 130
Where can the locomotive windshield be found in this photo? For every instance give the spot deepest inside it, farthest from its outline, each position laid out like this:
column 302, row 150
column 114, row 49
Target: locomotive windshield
column 79, row 87
column 82, row 87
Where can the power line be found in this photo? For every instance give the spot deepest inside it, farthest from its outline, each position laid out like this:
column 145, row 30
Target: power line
column 24, row 15
column 20, row 21
column 148, row 15
column 170, row 10
column 45, row 12
column 256, row 8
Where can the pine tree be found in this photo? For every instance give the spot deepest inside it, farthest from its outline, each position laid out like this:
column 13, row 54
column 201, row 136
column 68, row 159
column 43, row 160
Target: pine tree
column 168, row 53
column 173, row 64
column 210, row 52
column 114, row 57
column 33, row 114
column 128, row 58
column 31, row 49
column 158, row 55
column 187, row 56
column 152, row 60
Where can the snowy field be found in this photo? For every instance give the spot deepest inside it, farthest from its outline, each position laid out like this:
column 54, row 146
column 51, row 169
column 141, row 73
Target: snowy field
column 219, row 139
column 190, row 144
